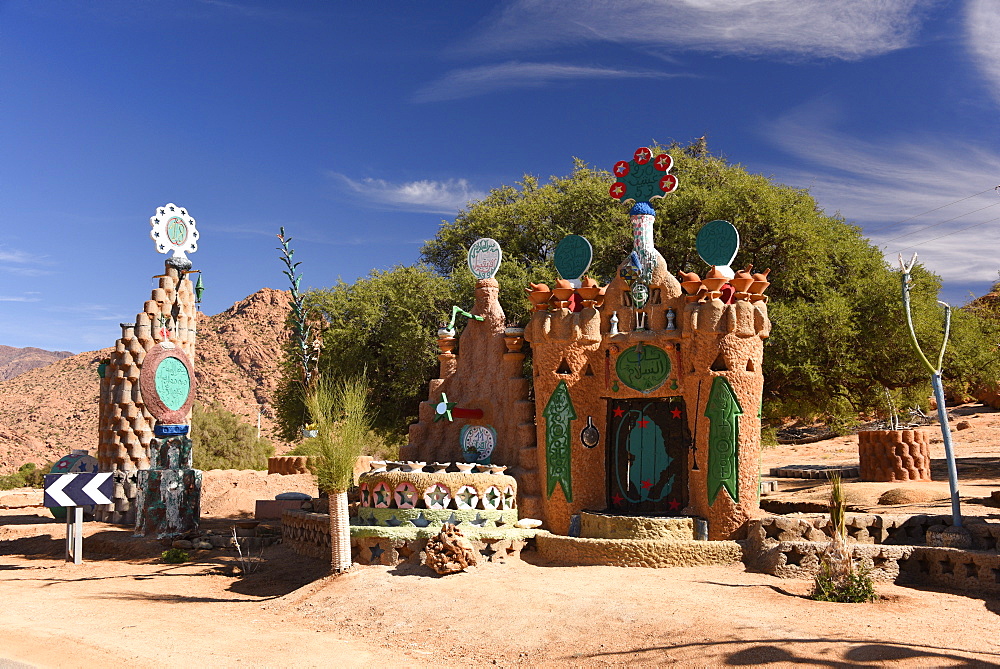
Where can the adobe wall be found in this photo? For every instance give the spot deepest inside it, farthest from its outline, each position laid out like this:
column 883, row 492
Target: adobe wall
column 709, row 339
column 484, row 375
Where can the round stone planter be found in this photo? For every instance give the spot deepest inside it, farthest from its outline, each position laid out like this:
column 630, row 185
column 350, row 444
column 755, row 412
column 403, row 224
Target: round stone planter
column 894, row 455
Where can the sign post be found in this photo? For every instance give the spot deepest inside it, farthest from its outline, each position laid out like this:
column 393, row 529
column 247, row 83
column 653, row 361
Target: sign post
column 75, row 491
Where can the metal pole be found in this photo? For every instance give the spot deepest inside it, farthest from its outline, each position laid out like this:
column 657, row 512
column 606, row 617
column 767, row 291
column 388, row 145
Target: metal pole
column 956, row 512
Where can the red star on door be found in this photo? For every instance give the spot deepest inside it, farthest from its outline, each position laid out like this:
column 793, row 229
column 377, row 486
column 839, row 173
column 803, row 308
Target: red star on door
column 676, row 413
column 674, row 505
column 647, row 485
column 619, row 412
column 617, row 499
column 642, row 423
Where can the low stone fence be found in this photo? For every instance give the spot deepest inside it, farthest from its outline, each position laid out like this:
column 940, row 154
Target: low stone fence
column 307, row 533
column 892, row 548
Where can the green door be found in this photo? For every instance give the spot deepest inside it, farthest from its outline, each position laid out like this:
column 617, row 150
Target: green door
column 648, row 443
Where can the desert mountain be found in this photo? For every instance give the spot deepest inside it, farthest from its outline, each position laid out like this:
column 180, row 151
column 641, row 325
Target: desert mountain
column 47, row 411
column 14, row 361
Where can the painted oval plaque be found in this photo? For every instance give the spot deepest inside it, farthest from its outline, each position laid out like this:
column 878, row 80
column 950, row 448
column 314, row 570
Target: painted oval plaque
column 573, row 256
column 643, row 369
column 484, row 258
column 478, row 442
column 718, row 242
column 167, row 383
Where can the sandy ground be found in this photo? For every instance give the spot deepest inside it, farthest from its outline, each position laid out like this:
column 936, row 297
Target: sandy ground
column 124, row 608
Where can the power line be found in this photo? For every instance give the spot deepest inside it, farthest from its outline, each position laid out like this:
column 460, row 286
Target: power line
column 892, row 225
column 947, row 234
column 934, row 225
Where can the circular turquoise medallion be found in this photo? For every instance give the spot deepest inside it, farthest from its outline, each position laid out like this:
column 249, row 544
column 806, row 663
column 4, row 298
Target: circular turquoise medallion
column 644, row 369
column 173, row 383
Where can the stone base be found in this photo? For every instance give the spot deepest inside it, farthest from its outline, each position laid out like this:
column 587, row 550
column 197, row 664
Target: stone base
column 169, row 501
column 391, row 551
column 271, row 509
column 571, row 551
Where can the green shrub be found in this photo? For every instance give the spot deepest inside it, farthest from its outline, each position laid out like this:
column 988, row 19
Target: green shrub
column 854, row 588
column 174, row 556
column 223, row 441
column 27, row 476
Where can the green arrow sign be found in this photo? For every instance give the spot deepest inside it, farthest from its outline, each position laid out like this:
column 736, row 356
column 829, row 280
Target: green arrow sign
column 723, row 410
column 559, row 413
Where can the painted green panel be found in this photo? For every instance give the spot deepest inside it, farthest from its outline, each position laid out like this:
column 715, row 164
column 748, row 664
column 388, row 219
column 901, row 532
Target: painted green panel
column 559, row 413
column 718, row 242
column 173, row 383
column 572, row 257
column 643, row 367
column 723, row 410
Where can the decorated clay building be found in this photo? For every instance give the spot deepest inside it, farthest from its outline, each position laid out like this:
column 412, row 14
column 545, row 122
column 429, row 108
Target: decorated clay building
column 647, row 391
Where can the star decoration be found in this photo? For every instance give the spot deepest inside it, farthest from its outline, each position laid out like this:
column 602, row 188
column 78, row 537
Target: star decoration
column 437, row 497
column 488, row 552
column 646, row 485
column 492, row 497
column 508, row 498
column 617, row 189
column 393, row 521
column 376, row 552
column 642, row 423
column 663, row 162
column 621, row 168
column 381, row 495
column 479, row 521
column 617, row 499
column 642, row 155
column 406, row 497
column 453, row 520
column 676, row 413
column 619, row 412
column 443, row 409
column 668, row 184
column 420, row 521
column 674, row 505
column 466, row 497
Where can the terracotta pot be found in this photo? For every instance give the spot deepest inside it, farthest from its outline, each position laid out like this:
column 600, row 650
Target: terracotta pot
column 760, row 282
column 690, row 282
column 513, row 337
column 539, row 295
column 894, row 455
column 562, row 292
column 713, row 282
column 447, row 344
column 742, row 281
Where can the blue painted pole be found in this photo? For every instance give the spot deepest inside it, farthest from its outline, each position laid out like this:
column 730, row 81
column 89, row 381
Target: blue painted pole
column 956, row 512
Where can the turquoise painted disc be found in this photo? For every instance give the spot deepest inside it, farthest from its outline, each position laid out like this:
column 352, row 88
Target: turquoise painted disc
column 643, row 370
column 718, row 242
column 173, row 383
column 572, row 257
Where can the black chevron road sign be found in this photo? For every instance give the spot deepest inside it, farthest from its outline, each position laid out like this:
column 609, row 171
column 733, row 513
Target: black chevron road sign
column 79, row 489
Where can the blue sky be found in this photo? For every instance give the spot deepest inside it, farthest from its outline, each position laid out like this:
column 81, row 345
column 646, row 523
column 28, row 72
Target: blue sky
column 360, row 126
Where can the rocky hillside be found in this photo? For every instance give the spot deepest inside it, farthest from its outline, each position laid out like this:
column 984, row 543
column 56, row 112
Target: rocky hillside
column 14, row 361
column 47, row 411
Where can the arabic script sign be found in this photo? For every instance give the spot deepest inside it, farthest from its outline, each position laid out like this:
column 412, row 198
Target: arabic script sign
column 484, row 258
column 643, row 369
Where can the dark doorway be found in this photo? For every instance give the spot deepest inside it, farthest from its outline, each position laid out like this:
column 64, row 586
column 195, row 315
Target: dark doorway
column 648, row 442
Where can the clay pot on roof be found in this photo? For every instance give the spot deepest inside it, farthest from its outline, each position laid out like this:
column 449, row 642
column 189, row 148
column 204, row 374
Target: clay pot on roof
column 759, row 285
column 562, row 292
column 590, row 292
column 539, row 294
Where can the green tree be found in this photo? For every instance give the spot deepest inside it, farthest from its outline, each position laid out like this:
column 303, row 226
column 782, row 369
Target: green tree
column 223, row 441
column 838, row 338
column 385, row 323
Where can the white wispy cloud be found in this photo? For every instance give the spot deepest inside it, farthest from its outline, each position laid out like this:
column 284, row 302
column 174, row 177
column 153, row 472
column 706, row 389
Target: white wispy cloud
column 22, row 263
column 472, row 81
column 17, row 298
column 426, row 195
column 982, row 23
column 932, row 195
column 843, row 29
